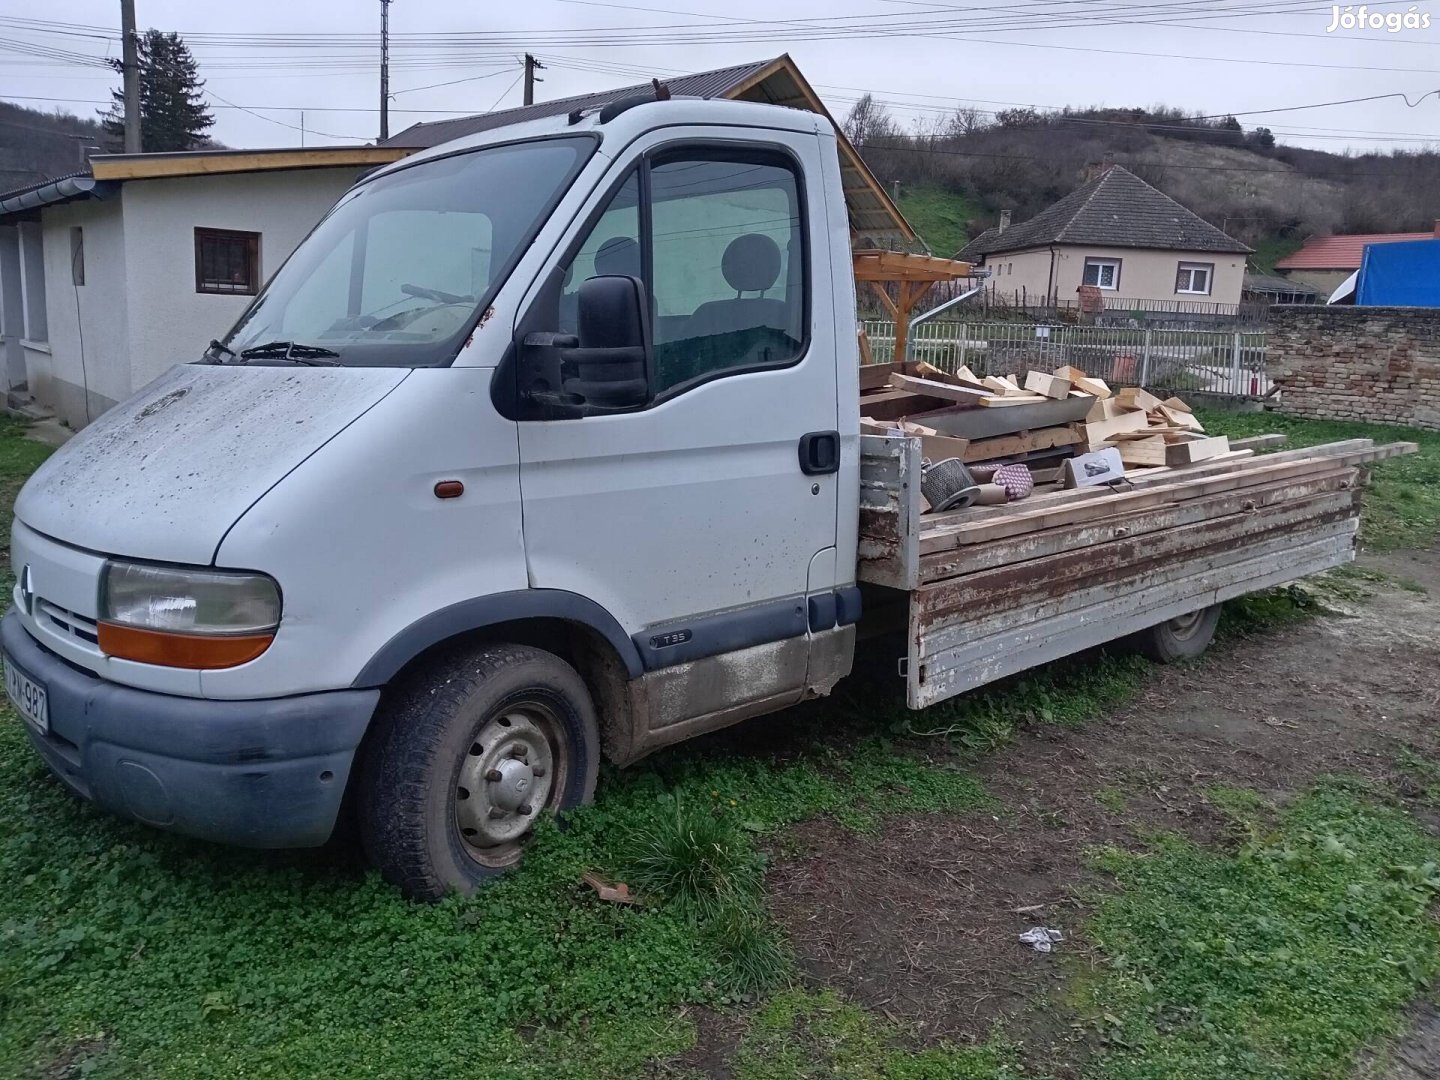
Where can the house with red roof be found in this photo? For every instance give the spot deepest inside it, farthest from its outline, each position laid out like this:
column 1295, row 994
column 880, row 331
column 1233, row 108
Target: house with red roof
column 1326, row 261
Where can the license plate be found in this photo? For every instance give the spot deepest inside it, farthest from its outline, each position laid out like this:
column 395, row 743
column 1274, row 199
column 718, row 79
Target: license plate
column 28, row 697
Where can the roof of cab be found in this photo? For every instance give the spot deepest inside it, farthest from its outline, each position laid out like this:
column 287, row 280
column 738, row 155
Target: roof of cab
column 875, row 220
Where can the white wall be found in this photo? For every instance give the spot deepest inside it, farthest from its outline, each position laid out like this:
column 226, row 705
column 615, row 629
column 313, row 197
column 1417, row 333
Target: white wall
column 1145, row 274
column 169, row 321
column 88, row 367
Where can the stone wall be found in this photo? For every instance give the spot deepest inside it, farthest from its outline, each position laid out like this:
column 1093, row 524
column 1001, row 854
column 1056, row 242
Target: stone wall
column 1357, row 363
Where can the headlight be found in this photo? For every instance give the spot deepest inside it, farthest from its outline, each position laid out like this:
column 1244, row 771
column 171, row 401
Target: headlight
column 189, row 618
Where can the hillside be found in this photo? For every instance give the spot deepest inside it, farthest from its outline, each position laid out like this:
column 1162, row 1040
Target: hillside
column 954, row 181
column 35, row 145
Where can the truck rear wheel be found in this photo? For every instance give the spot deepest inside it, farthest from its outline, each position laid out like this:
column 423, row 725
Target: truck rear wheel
column 465, row 759
column 1183, row 638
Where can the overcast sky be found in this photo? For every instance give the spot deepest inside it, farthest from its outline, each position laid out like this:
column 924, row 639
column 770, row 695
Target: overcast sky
column 921, row 57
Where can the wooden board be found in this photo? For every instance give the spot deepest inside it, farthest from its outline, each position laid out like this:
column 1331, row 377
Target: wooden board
column 1150, row 450
column 1050, row 386
column 1193, row 450
column 1081, row 618
column 1176, row 404
column 1013, row 399
column 1180, row 418
column 1259, row 442
column 1026, row 442
column 1081, row 381
column 895, row 404
column 1104, row 409
column 1098, row 431
column 875, row 376
column 1134, row 397
column 1135, row 523
column 933, row 389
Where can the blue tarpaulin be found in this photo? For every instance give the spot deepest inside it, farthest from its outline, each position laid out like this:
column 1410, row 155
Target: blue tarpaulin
column 1403, row 274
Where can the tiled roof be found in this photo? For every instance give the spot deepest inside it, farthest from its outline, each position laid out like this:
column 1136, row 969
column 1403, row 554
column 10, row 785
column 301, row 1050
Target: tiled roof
column 1267, row 283
column 1116, row 209
column 1342, row 252
column 704, row 84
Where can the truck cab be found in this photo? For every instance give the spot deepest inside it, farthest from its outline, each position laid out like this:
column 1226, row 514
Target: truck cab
column 543, row 446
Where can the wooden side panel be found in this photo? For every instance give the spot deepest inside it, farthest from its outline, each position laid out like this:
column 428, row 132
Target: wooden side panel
column 889, row 552
column 972, row 630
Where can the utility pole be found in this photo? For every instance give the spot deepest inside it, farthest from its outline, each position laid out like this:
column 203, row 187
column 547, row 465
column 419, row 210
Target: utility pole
column 384, row 70
column 531, row 66
column 130, row 63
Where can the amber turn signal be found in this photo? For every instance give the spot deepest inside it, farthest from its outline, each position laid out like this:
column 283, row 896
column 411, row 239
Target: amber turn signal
column 181, row 650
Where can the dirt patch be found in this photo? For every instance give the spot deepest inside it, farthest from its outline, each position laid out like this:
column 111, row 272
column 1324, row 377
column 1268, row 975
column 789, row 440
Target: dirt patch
column 919, row 922
column 1414, row 1056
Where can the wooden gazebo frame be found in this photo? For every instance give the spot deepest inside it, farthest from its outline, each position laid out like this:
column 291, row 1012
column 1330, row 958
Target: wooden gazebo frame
column 915, row 274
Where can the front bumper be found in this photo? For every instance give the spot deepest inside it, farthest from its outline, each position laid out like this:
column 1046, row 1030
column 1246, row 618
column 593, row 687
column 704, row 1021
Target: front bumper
column 265, row 774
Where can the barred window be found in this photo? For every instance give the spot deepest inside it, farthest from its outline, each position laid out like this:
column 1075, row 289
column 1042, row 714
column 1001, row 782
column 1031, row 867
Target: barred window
column 227, row 262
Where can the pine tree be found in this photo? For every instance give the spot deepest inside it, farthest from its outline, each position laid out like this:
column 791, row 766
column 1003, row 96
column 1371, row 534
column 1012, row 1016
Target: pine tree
column 172, row 112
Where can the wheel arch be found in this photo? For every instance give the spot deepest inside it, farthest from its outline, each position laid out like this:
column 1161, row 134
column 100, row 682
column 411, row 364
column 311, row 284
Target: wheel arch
column 573, row 627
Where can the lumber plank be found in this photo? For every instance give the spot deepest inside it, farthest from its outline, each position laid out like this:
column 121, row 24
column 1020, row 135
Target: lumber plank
column 1093, row 617
column 1020, row 522
column 1028, row 399
column 1235, row 461
column 1098, row 431
column 1050, row 386
column 1002, row 446
column 1192, row 450
column 1135, row 397
column 931, row 388
column 1176, row 404
column 1259, row 442
column 1151, row 450
column 1134, row 523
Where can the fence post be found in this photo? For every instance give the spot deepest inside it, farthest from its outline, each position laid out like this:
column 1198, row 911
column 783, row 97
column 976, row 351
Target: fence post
column 1237, row 378
column 964, row 340
column 1145, row 359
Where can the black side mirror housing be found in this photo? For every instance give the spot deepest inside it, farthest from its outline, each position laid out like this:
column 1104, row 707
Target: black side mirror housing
column 612, row 358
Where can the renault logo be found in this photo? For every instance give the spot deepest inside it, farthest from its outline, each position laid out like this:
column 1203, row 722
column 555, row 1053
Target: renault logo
column 27, row 591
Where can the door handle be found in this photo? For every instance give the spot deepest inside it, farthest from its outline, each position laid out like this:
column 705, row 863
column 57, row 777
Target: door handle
column 820, row 453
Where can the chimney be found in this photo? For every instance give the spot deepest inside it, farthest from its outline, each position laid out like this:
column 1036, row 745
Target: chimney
column 1005, row 222
column 1099, row 168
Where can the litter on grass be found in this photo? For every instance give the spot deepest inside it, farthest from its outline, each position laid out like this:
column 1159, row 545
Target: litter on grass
column 1042, row 938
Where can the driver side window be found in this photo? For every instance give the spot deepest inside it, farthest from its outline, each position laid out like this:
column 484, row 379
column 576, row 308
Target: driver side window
column 722, row 238
column 613, row 247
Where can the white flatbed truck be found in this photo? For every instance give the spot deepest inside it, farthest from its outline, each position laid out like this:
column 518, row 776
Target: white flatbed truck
column 544, row 446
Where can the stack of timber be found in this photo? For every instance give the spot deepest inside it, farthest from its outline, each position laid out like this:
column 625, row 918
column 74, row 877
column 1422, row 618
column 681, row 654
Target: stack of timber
column 994, row 590
column 1149, row 432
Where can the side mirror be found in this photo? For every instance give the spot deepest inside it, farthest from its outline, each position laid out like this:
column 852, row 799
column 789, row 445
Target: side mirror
column 610, row 362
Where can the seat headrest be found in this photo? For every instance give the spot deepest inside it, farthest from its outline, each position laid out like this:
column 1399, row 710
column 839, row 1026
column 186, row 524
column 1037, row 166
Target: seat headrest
column 751, row 263
column 618, row 255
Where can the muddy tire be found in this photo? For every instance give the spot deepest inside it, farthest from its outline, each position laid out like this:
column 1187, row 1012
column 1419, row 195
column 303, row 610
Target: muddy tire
column 464, row 758
column 1184, row 638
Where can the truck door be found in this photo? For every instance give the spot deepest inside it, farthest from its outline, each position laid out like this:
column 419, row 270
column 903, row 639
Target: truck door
column 694, row 516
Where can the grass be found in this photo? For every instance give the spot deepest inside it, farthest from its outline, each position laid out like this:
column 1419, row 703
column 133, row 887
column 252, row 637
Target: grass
column 1271, row 249
column 125, row 952
column 819, row 1035
column 940, row 217
column 1402, row 505
column 1283, row 959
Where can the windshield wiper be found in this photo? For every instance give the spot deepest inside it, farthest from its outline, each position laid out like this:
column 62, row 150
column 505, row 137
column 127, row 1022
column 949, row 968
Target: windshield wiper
column 213, row 351
column 312, row 355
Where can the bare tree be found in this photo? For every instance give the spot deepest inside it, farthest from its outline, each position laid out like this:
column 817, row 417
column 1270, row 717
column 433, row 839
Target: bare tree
column 868, row 121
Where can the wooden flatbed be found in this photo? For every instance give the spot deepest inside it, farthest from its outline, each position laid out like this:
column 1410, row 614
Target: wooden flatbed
column 996, row 590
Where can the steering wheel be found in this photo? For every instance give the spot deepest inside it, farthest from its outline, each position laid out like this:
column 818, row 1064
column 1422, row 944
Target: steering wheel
column 435, row 294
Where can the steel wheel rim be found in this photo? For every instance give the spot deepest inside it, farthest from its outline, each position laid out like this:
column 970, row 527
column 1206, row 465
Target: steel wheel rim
column 1185, row 626
column 512, row 771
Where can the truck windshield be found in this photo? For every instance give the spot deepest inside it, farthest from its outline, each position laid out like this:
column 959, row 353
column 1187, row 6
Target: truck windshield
column 398, row 272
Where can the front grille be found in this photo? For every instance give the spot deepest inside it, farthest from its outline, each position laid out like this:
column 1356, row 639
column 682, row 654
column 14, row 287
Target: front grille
column 67, row 622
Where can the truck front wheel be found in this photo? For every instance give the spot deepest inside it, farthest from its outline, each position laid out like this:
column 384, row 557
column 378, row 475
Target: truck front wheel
column 1183, row 638
column 465, row 758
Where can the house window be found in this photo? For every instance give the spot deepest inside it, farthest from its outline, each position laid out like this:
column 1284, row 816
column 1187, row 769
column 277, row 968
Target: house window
column 77, row 255
column 227, row 262
column 32, row 282
column 1102, row 273
column 1194, row 278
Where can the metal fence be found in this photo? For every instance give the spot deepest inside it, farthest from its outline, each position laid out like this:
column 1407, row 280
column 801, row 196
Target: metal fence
column 1227, row 362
